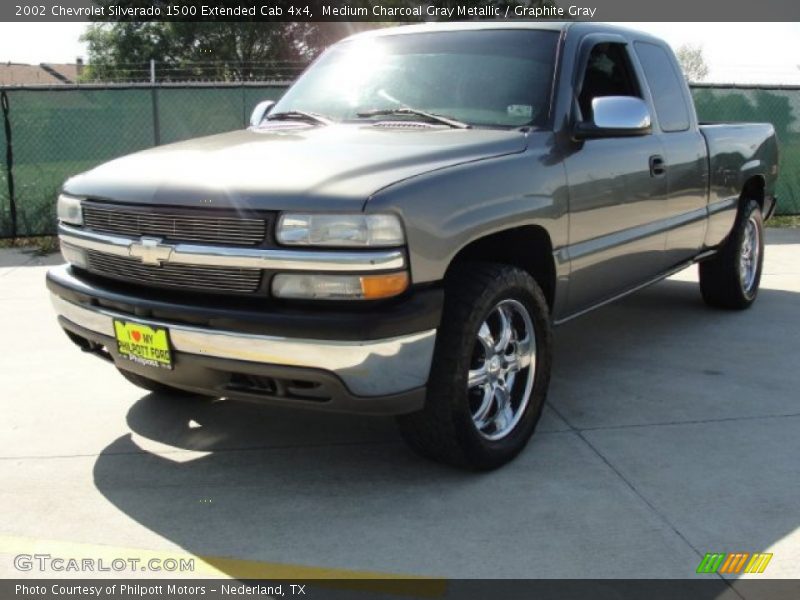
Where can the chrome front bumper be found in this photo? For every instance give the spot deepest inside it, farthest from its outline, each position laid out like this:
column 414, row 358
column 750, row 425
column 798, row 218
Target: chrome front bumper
column 367, row 368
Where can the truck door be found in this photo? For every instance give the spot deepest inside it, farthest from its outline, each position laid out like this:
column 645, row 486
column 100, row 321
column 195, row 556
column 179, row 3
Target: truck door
column 617, row 190
column 685, row 165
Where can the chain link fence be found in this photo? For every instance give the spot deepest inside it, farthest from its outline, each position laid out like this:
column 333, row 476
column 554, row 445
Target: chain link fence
column 60, row 131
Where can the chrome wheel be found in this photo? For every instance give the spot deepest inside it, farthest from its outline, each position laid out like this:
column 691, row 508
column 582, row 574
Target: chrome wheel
column 749, row 255
column 502, row 370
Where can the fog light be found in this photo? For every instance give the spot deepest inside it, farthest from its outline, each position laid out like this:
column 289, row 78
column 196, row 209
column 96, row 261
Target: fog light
column 73, row 255
column 339, row 287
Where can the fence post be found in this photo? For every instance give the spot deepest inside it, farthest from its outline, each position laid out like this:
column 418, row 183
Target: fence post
column 154, row 100
column 244, row 106
column 12, row 203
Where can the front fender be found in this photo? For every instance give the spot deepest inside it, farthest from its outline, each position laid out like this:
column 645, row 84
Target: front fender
column 443, row 211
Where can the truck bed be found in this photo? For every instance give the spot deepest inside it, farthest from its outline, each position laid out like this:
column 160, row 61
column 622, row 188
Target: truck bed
column 739, row 153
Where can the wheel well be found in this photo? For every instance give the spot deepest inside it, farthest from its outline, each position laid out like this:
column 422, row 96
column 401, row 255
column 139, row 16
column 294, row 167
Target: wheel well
column 528, row 248
column 753, row 189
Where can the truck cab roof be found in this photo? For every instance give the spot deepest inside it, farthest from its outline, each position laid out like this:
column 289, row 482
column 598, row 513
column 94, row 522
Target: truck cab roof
column 577, row 27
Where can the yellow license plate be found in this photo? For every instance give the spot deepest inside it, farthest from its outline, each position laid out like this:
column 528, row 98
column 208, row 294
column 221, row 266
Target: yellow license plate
column 143, row 344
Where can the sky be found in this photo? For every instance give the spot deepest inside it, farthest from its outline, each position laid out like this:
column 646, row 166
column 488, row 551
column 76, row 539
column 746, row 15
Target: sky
column 35, row 43
column 738, row 52
column 734, row 52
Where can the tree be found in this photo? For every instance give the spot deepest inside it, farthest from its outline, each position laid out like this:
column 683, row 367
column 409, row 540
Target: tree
column 692, row 62
column 224, row 50
column 209, row 50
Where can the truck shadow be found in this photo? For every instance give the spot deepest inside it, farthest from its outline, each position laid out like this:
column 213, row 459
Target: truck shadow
column 302, row 487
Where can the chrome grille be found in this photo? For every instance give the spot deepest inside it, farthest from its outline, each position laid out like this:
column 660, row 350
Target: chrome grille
column 222, row 279
column 177, row 227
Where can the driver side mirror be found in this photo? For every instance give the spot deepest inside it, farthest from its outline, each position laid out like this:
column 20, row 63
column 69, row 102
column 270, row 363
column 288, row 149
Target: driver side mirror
column 616, row 116
column 260, row 111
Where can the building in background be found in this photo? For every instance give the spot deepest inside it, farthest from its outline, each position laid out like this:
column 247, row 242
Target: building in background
column 41, row 74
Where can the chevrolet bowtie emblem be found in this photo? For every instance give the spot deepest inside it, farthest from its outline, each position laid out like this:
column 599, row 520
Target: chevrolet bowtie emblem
column 150, row 251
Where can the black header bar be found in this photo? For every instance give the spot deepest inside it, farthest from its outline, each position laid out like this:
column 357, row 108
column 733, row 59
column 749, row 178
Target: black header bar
column 398, row 10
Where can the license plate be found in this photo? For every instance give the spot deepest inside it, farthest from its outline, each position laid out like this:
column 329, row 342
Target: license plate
column 143, row 344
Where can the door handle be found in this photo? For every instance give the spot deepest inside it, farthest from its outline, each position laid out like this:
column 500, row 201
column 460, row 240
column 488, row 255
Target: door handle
column 657, row 166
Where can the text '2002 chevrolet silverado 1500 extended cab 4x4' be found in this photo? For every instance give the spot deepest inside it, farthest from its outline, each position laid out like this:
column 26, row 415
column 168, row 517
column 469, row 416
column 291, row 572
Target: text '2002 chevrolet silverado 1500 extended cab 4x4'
column 400, row 232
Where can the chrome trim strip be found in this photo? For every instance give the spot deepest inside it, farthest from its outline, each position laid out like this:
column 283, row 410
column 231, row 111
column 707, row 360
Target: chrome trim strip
column 246, row 258
column 633, row 234
column 368, row 368
column 721, row 205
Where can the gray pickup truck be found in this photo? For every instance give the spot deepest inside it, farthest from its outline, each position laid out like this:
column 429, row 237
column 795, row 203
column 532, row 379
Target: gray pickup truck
column 401, row 231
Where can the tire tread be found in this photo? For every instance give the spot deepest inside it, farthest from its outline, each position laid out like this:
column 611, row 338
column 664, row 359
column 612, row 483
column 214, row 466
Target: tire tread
column 434, row 432
column 719, row 276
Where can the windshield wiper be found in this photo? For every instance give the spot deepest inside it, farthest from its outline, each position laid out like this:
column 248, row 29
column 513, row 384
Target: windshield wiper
column 300, row 115
column 407, row 110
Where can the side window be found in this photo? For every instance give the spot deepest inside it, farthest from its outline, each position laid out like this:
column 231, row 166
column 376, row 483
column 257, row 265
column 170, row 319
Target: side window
column 608, row 73
column 665, row 86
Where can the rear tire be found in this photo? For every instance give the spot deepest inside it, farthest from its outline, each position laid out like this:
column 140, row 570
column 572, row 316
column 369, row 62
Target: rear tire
column 156, row 387
column 731, row 278
column 490, row 371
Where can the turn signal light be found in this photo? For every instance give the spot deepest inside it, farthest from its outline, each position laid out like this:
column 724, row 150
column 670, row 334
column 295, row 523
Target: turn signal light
column 339, row 287
column 383, row 286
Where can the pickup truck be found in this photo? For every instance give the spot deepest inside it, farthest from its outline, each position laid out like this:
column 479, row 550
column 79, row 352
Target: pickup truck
column 402, row 230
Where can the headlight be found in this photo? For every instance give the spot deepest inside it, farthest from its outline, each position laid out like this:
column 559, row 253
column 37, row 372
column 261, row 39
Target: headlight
column 339, row 287
column 340, row 230
column 69, row 210
column 74, row 256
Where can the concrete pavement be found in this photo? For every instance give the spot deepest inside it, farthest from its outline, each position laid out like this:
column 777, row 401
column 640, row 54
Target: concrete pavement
column 671, row 431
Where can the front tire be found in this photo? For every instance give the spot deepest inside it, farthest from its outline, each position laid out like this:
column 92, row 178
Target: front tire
column 732, row 277
column 490, row 371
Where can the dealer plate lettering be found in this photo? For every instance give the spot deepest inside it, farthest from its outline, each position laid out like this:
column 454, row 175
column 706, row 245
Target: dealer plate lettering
column 143, row 344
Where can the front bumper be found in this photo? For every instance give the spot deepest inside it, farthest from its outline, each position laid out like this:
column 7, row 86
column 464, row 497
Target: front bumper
column 251, row 360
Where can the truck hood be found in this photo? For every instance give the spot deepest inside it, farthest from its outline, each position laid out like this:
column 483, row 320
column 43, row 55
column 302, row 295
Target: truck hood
column 288, row 166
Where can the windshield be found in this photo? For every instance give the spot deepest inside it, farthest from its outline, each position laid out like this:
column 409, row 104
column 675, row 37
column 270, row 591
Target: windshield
column 499, row 78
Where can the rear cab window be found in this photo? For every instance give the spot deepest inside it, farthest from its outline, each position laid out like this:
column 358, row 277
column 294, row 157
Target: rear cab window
column 665, row 86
